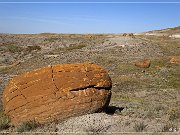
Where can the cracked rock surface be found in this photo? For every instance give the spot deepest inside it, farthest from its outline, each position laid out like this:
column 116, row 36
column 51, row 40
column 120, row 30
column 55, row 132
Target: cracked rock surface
column 57, row 92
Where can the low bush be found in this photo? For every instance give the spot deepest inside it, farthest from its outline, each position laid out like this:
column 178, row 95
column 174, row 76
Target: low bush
column 4, row 120
column 27, row 126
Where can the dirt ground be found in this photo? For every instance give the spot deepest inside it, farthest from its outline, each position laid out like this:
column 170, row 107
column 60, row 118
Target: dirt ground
column 143, row 99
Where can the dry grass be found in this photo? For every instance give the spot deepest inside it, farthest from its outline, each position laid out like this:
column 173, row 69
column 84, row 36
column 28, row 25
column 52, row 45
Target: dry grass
column 129, row 68
column 52, row 39
column 170, row 127
column 149, row 93
column 71, row 48
column 4, row 120
column 11, row 48
column 154, row 90
column 174, row 114
column 169, row 45
column 32, row 48
column 140, row 126
column 27, row 126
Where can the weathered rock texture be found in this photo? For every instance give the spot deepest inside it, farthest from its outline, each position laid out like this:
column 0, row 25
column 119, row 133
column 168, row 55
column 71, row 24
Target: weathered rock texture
column 57, row 92
column 143, row 63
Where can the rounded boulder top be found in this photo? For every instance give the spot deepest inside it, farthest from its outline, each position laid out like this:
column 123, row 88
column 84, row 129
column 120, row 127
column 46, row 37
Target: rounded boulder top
column 57, row 92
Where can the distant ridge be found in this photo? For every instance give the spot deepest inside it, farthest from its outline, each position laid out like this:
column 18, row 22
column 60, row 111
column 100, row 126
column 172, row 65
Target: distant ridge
column 168, row 31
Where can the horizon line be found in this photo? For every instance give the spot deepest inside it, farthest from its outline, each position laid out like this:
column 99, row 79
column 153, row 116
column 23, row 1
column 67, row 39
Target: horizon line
column 78, row 2
column 69, row 33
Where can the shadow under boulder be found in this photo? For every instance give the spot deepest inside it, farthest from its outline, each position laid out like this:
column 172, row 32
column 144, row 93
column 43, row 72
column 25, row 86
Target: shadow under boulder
column 113, row 109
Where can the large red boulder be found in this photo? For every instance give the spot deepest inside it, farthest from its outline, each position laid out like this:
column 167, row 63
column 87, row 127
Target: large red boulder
column 57, row 92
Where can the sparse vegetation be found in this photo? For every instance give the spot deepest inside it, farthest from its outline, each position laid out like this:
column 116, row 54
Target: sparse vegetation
column 71, row 47
column 27, row 126
column 140, row 126
column 34, row 47
column 91, row 130
column 78, row 46
column 128, row 68
column 52, row 39
column 174, row 114
column 168, row 31
column 170, row 127
column 169, row 45
column 11, row 48
column 146, row 93
column 4, row 120
column 174, row 78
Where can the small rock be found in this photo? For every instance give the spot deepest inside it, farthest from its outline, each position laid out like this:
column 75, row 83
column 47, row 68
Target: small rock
column 51, row 56
column 174, row 59
column 143, row 63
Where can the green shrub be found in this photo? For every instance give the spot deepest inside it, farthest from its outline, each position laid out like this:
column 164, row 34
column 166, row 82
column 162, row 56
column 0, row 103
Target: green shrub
column 27, row 126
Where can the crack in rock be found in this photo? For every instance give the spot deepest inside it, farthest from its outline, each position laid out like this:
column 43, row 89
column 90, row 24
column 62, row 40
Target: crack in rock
column 61, row 95
column 57, row 89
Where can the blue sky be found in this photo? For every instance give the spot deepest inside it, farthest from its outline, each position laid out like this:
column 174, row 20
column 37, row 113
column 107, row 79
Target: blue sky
column 87, row 18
